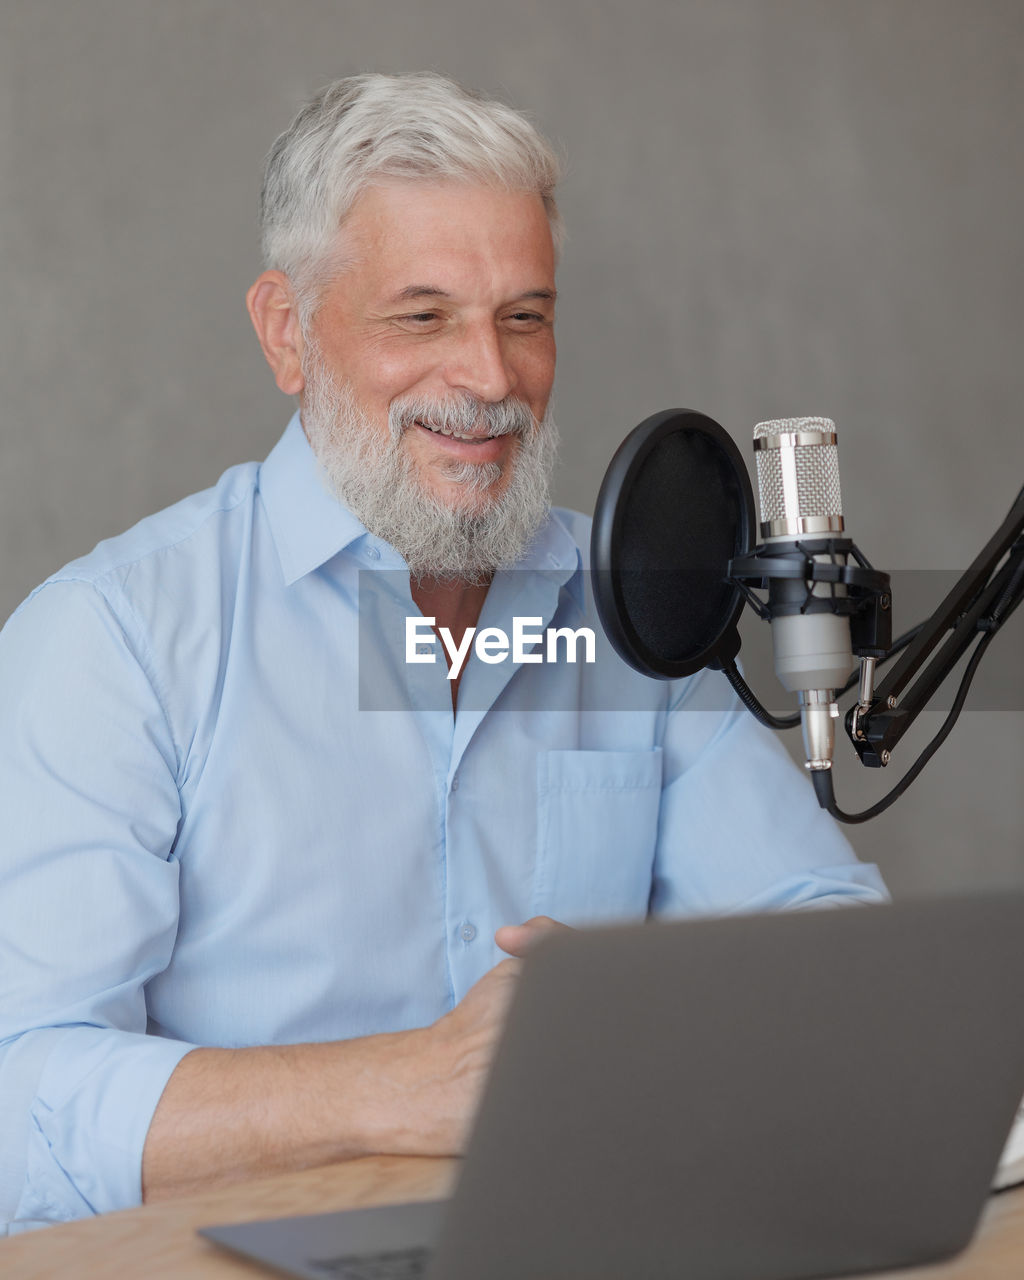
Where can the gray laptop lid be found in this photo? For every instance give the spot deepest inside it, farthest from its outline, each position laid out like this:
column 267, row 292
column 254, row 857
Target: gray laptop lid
column 756, row 1098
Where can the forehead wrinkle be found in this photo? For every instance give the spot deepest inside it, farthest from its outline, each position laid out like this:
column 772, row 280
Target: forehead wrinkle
column 419, row 291
column 413, row 291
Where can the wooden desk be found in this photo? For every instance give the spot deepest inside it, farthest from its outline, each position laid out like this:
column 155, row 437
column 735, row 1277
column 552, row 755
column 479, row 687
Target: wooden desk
column 159, row 1241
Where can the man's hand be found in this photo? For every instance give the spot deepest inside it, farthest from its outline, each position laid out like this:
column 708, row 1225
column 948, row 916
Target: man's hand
column 464, row 1040
column 236, row 1113
column 461, row 1046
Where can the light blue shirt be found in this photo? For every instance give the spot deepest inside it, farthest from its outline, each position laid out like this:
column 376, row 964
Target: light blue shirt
column 215, row 833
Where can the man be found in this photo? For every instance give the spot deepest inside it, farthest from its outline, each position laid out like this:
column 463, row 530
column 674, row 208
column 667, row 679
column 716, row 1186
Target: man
column 253, row 899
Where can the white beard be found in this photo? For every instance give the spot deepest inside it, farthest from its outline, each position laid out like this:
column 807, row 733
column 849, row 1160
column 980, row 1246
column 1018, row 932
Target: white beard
column 374, row 476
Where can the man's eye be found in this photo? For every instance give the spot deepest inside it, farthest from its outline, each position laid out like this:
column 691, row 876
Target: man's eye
column 421, row 317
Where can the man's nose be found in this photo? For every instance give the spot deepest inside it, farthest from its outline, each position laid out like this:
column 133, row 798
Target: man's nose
column 480, row 366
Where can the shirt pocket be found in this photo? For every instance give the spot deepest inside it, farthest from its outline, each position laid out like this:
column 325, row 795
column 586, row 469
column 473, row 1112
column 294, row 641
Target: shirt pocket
column 597, row 826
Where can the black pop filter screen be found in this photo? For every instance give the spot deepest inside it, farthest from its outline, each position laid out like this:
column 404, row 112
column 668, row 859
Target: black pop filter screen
column 675, row 507
column 678, row 532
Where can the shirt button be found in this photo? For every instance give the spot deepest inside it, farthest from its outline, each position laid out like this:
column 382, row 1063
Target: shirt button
column 468, row 932
column 373, row 553
column 455, row 783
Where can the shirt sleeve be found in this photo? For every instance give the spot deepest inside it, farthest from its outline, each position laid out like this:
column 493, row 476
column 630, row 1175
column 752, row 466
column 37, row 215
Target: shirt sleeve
column 88, row 902
column 740, row 828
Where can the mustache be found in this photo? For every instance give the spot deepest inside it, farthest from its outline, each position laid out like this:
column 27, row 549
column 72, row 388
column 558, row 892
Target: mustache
column 464, row 415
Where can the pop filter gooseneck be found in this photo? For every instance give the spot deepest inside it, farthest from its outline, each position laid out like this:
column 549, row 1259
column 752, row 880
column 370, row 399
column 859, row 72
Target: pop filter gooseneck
column 674, row 508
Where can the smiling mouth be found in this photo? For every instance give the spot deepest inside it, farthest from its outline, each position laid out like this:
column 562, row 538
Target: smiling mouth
column 467, row 438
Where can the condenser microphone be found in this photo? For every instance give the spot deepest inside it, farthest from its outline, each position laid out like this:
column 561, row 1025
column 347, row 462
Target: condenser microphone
column 802, row 520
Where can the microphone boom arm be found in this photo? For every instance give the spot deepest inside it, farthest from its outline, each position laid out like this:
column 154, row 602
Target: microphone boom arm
column 978, row 603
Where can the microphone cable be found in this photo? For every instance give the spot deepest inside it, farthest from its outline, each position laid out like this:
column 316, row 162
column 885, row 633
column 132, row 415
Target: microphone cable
column 1008, row 601
column 822, row 778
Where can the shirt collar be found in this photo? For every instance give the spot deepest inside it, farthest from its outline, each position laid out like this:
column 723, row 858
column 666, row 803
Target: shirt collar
column 310, row 525
column 555, row 553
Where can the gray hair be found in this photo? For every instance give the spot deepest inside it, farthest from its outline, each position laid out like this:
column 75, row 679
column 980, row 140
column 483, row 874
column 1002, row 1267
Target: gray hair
column 368, row 127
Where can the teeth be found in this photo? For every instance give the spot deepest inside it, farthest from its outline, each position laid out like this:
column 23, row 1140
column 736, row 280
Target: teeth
column 452, row 435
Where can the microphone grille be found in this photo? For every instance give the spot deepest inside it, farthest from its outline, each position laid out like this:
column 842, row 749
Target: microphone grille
column 798, row 481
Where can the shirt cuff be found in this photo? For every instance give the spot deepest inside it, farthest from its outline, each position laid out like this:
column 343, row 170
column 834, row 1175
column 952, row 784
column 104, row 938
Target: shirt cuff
column 837, row 886
column 88, row 1120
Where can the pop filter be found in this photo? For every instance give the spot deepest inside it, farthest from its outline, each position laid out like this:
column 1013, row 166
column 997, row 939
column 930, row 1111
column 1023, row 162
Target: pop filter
column 675, row 507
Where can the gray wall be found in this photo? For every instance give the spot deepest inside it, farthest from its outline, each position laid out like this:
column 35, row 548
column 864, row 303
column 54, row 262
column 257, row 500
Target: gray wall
column 775, row 207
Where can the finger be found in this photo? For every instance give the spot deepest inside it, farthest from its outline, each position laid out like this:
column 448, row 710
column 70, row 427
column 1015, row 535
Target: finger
column 517, row 939
column 544, row 923
column 513, row 938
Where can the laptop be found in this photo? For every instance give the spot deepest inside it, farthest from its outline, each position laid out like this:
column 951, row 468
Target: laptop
column 762, row 1097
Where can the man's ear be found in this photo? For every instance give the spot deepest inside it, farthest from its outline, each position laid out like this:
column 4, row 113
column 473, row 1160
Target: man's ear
column 275, row 317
